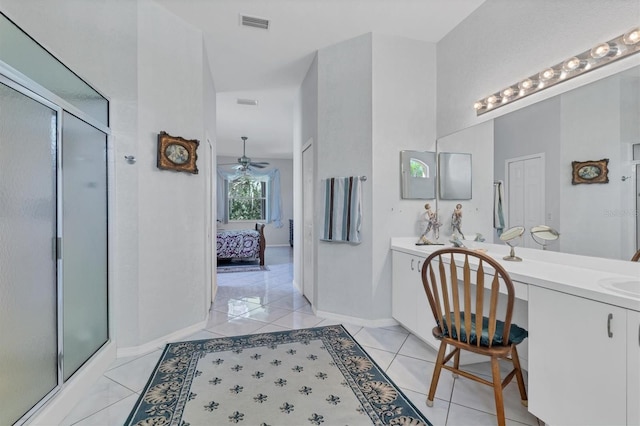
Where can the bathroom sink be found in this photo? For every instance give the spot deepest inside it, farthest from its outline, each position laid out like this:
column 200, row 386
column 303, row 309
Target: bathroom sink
column 624, row 286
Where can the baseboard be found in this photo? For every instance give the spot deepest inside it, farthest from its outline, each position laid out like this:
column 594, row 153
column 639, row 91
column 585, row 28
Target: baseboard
column 161, row 341
column 383, row 322
column 75, row 388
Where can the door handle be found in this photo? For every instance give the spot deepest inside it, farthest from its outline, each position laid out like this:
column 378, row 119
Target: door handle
column 412, row 268
column 419, row 270
column 609, row 332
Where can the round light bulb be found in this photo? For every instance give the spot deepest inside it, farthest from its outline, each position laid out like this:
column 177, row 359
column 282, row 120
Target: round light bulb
column 526, row 84
column 492, row 99
column 600, row 51
column 508, row 92
column 547, row 74
column 477, row 105
column 632, row 37
column 571, row 64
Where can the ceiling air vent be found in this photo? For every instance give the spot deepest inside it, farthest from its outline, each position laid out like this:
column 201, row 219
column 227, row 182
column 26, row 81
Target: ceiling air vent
column 252, row 21
column 247, row 102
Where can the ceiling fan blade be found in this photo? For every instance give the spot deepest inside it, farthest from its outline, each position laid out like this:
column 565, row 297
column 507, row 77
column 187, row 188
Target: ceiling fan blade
column 264, row 163
column 258, row 165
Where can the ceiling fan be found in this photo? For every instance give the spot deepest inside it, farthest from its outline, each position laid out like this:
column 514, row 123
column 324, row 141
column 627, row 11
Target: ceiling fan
column 244, row 163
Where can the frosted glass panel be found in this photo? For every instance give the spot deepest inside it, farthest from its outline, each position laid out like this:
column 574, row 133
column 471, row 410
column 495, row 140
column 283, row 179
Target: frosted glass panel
column 28, row 337
column 84, row 241
column 21, row 52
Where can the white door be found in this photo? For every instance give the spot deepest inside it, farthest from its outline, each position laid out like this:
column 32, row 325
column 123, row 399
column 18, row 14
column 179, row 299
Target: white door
column 525, row 194
column 308, row 283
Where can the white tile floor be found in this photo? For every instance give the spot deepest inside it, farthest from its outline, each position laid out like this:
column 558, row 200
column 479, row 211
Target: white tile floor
column 266, row 301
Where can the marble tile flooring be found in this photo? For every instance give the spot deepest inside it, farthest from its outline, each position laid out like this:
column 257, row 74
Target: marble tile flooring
column 251, row 302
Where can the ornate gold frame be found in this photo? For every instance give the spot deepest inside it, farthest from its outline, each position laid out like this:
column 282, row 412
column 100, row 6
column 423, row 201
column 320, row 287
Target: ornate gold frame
column 578, row 177
column 164, row 141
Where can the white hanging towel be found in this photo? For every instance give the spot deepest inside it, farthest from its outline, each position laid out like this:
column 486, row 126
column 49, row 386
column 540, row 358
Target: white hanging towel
column 498, row 214
column 342, row 209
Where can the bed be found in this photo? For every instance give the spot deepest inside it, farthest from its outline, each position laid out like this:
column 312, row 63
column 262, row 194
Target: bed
column 241, row 244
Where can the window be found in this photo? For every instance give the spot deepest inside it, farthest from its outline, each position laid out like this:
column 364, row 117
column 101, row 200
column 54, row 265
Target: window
column 418, row 168
column 248, row 199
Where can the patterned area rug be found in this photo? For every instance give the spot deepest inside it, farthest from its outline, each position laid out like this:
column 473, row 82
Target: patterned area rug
column 315, row 376
column 223, row 269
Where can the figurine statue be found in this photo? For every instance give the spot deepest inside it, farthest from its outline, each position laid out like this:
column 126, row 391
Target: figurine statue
column 456, row 220
column 431, row 218
column 479, row 238
column 457, row 242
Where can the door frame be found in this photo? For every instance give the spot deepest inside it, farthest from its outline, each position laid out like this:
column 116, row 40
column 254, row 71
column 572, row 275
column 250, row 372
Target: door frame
column 543, row 175
column 307, row 148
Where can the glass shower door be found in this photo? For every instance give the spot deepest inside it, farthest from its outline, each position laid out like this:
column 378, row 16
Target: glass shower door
column 84, row 242
column 28, row 284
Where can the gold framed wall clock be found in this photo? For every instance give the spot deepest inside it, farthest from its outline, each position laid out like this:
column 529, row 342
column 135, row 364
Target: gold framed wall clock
column 177, row 153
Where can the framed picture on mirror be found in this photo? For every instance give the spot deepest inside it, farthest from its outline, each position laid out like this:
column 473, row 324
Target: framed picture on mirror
column 590, row 171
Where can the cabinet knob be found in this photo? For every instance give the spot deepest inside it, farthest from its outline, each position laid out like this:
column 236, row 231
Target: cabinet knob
column 609, row 332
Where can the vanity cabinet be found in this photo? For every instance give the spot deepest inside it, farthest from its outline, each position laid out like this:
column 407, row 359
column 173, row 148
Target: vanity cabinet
column 578, row 360
column 409, row 304
column 633, row 368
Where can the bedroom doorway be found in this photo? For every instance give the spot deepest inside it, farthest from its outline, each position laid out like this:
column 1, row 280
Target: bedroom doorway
column 308, row 195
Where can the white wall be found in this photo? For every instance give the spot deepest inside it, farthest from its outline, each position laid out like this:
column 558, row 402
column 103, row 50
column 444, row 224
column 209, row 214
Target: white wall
column 590, row 121
column 375, row 97
column 171, row 204
column 477, row 213
column 404, row 75
column 274, row 236
column 504, row 41
column 344, row 273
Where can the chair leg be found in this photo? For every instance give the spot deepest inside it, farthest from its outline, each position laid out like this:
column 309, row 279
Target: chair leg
column 456, row 362
column 497, row 390
column 516, row 363
column 436, row 374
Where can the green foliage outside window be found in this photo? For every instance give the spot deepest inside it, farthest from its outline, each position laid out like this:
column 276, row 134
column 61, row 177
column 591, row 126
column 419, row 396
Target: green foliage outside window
column 247, row 199
column 418, row 169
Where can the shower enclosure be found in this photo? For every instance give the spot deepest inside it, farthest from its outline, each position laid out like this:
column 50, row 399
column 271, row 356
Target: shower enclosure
column 53, row 224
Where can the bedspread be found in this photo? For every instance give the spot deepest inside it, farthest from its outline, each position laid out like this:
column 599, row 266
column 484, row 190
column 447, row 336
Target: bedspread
column 242, row 243
column 238, row 243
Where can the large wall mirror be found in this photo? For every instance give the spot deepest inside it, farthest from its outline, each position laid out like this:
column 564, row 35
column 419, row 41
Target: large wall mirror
column 533, row 150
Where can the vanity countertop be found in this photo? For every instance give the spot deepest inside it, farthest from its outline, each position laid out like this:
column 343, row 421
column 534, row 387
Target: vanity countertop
column 599, row 279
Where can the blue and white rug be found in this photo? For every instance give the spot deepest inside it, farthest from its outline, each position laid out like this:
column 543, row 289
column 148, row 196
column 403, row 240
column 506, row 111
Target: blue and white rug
column 315, row 376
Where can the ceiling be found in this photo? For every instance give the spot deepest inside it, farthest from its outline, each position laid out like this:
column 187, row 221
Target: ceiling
column 269, row 65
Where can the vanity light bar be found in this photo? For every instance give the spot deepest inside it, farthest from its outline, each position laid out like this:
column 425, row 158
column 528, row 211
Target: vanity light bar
column 601, row 54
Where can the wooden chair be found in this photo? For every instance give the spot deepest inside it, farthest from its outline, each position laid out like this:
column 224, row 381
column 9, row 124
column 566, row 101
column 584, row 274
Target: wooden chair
column 636, row 257
column 473, row 304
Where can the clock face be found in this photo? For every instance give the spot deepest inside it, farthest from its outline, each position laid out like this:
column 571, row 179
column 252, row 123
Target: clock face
column 176, row 153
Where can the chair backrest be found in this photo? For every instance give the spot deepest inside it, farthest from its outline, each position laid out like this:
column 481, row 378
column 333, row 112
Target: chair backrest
column 462, row 306
column 636, row 257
